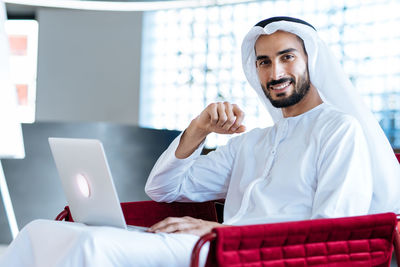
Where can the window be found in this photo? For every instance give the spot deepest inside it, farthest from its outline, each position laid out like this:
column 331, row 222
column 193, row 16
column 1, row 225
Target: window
column 191, row 57
column 23, row 40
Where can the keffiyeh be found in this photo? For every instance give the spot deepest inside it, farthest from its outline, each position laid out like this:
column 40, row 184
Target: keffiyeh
column 336, row 89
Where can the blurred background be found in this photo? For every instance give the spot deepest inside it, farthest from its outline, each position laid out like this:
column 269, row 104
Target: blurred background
column 134, row 74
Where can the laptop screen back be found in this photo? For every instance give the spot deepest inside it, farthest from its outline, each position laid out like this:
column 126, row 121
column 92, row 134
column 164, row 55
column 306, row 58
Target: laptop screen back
column 87, row 181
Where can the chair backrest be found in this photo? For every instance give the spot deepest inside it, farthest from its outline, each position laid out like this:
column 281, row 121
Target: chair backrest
column 147, row 213
column 398, row 156
column 351, row 241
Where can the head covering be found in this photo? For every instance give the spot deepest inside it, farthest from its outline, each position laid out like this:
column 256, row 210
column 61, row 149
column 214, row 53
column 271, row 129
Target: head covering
column 335, row 89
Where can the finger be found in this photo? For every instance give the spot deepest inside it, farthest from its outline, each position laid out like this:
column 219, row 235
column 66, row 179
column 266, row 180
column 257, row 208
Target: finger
column 190, row 230
column 230, row 116
column 199, row 227
column 213, row 113
column 163, row 223
column 177, row 227
column 171, row 224
column 221, row 115
column 186, row 225
column 241, row 129
column 237, row 126
column 208, row 118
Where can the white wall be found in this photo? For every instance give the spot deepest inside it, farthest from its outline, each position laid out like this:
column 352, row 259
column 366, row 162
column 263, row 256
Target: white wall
column 88, row 66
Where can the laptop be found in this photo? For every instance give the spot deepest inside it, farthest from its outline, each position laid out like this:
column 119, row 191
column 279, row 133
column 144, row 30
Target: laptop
column 87, row 182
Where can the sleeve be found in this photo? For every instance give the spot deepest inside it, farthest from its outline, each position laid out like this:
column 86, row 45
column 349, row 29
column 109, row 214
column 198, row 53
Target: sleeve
column 197, row 178
column 344, row 177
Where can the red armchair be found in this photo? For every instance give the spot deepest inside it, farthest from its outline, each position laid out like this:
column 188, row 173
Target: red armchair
column 353, row 241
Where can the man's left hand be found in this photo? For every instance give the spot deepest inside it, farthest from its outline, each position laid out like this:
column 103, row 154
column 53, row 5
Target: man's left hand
column 184, row 225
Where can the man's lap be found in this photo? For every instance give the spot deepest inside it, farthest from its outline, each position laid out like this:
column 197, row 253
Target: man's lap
column 50, row 243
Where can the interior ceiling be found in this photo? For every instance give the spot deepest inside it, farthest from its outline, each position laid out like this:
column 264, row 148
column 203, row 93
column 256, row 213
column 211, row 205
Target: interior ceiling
column 19, row 9
column 129, row 0
column 22, row 8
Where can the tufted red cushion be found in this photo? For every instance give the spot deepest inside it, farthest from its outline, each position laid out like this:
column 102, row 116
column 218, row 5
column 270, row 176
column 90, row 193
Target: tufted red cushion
column 352, row 241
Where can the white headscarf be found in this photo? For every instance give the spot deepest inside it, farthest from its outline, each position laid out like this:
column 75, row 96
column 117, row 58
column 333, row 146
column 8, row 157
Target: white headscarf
column 336, row 89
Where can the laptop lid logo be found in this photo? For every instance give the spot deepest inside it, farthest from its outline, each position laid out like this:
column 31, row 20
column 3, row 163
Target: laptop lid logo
column 83, row 185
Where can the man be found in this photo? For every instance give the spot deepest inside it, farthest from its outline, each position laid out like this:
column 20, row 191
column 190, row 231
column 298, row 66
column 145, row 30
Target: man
column 314, row 162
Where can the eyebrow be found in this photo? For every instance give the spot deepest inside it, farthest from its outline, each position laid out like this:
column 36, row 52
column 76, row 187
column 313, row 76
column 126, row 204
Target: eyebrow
column 286, row 51
column 279, row 53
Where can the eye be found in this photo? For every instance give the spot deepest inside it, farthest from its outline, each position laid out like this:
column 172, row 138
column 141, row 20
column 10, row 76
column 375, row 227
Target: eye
column 264, row 62
column 288, row 57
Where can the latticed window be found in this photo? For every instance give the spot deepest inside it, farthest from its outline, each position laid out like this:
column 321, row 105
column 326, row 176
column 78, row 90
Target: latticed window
column 191, row 57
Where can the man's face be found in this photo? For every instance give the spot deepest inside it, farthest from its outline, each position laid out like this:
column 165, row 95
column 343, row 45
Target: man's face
column 282, row 68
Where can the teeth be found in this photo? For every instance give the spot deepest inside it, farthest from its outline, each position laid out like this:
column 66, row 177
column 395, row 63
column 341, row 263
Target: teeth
column 283, row 85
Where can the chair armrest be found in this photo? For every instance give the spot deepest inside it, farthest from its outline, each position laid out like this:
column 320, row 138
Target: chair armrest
column 352, row 241
column 194, row 262
column 65, row 214
column 396, row 241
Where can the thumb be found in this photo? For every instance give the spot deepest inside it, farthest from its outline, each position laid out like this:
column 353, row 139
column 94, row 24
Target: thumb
column 241, row 129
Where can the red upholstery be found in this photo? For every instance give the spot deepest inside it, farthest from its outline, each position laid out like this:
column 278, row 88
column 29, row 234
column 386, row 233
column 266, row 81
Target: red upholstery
column 397, row 235
column 147, row 213
column 352, row 241
column 64, row 215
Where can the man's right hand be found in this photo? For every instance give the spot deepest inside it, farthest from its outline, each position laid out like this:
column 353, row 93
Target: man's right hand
column 221, row 117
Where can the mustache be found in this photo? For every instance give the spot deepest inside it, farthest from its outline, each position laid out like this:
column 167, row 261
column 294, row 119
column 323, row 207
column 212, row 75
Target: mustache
column 282, row 80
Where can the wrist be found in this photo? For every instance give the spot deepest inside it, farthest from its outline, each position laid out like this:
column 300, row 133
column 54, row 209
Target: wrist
column 197, row 132
column 191, row 138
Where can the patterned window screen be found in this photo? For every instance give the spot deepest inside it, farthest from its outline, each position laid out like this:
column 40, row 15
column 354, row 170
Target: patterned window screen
column 191, row 57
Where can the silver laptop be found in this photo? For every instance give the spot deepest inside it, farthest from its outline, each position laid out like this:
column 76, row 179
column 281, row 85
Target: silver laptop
column 87, row 182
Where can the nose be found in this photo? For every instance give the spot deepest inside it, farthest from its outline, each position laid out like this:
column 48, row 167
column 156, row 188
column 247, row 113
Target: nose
column 277, row 71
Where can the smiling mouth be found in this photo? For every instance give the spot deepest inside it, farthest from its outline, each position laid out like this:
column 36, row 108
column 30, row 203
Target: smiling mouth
column 280, row 87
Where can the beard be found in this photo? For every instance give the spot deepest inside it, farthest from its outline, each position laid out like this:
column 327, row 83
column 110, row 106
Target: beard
column 300, row 90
